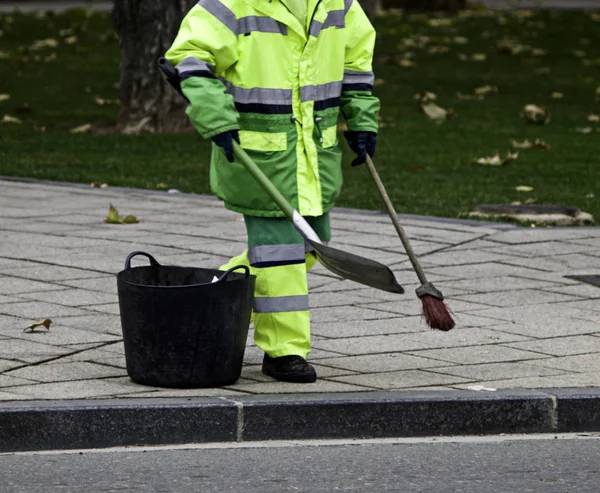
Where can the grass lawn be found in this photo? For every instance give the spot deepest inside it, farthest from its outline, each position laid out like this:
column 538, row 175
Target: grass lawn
column 428, row 168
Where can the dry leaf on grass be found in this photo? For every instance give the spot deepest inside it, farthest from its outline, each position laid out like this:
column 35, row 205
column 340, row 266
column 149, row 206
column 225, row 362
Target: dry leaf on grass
column 10, row 119
column 4, row 97
column 536, row 115
column 460, row 40
column 44, row 43
column 593, row 118
column 496, row 160
column 425, row 97
column 438, row 50
column 441, row 22
column 584, row 130
column 475, row 57
column 538, row 144
column 406, row 63
column 114, row 217
column 42, row 323
column 81, row 129
column 557, row 95
column 524, row 188
column 485, row 90
column 70, row 40
column 105, row 102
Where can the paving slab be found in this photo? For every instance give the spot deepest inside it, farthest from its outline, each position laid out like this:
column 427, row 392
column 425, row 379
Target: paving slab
column 520, row 322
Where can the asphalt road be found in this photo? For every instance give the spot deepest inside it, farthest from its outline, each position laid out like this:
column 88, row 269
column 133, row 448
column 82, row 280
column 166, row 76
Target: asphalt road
column 567, row 464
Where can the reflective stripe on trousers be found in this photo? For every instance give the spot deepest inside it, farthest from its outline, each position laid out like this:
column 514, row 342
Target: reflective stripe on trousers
column 281, row 317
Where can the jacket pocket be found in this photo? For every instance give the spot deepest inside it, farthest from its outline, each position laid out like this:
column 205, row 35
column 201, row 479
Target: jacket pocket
column 330, row 138
column 263, row 141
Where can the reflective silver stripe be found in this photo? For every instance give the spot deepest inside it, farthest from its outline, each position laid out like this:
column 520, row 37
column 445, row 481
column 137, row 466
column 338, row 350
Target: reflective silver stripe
column 261, row 24
column 321, row 92
column 335, row 18
column 347, row 5
column 259, row 95
column 191, row 64
column 281, row 304
column 276, row 253
column 352, row 77
column 221, row 12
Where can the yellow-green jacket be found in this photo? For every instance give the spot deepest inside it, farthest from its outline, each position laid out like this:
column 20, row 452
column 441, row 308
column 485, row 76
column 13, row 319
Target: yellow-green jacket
column 250, row 65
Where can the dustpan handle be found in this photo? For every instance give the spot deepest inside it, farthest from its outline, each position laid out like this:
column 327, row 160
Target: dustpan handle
column 237, row 267
column 153, row 262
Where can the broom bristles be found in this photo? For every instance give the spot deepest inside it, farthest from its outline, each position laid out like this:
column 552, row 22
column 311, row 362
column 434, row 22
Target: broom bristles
column 436, row 314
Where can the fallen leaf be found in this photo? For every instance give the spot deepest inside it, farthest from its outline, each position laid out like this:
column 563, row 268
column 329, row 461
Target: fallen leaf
column 594, row 16
column 379, row 82
column 479, row 57
column 593, row 118
column 51, row 57
column 425, row 96
column 538, row 52
column 557, row 95
column 44, row 43
column 485, row 90
column 98, row 184
column 105, row 102
column 10, row 119
column 460, row 40
column 535, row 114
column 538, row 144
column 584, row 130
column 524, row 188
column 114, row 217
column 406, row 63
column 81, row 129
column 496, row 160
column 66, row 32
column 4, row 97
column 42, row 323
column 70, row 40
column 512, row 47
column 438, row 50
column 442, row 22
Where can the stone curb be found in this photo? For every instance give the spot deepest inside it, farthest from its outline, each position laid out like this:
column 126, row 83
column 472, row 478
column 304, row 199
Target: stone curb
column 62, row 425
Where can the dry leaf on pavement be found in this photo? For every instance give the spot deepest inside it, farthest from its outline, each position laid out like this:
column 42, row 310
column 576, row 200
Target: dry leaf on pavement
column 10, row 119
column 535, row 114
column 42, row 323
column 114, row 217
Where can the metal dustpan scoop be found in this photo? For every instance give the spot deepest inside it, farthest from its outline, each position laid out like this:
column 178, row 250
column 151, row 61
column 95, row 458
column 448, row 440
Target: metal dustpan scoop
column 347, row 265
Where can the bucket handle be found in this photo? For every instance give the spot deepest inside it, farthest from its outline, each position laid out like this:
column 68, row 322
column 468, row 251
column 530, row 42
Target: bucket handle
column 237, row 267
column 153, row 262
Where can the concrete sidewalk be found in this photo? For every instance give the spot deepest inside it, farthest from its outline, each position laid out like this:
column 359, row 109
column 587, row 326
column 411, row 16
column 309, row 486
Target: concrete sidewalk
column 521, row 322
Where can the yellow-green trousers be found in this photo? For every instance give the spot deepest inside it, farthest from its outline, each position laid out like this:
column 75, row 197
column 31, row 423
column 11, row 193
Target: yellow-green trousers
column 279, row 258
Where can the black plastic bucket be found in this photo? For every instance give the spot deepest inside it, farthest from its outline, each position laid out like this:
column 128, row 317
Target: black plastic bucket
column 180, row 329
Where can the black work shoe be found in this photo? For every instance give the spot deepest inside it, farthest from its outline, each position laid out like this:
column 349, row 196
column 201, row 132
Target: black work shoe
column 289, row 369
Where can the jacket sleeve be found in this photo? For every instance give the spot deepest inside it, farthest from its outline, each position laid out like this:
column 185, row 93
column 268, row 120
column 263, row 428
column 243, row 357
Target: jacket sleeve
column 205, row 47
column 358, row 105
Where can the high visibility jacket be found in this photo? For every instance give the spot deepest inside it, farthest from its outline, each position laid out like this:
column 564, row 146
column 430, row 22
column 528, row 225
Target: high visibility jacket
column 250, row 65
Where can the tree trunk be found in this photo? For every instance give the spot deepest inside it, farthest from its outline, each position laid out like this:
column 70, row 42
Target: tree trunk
column 146, row 29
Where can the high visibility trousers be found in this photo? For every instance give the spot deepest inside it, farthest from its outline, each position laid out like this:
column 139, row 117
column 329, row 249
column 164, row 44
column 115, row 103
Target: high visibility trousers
column 279, row 258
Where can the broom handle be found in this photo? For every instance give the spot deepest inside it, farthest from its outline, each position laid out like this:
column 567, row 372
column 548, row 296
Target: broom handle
column 394, row 217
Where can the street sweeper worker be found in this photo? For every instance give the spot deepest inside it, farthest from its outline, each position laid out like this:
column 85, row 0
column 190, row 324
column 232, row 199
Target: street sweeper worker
column 274, row 75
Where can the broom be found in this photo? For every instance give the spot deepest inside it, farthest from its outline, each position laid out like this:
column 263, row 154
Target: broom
column 435, row 311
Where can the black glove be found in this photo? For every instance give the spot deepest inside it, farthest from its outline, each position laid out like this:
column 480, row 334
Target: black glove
column 362, row 143
column 225, row 142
